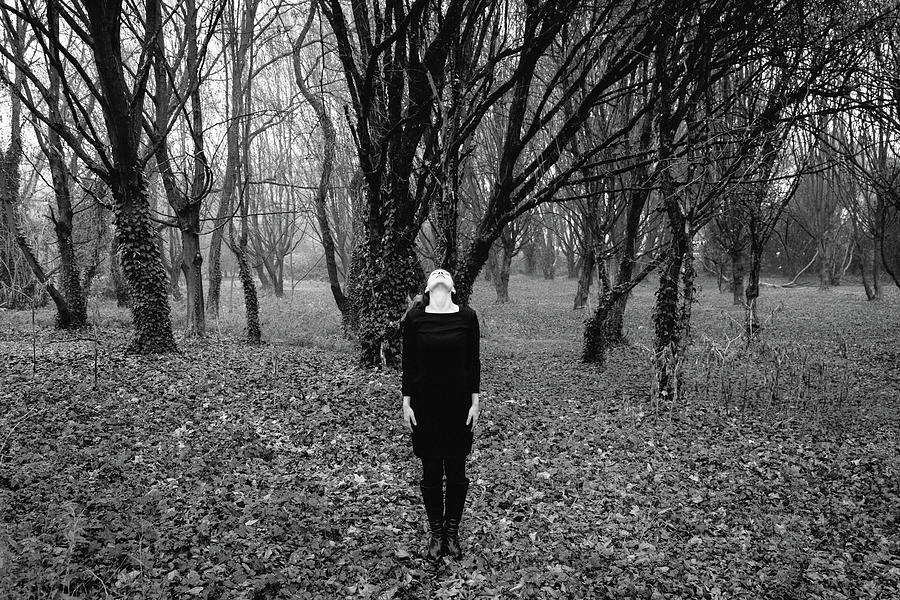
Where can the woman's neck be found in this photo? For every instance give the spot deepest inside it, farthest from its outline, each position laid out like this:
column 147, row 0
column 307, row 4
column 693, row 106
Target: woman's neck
column 441, row 303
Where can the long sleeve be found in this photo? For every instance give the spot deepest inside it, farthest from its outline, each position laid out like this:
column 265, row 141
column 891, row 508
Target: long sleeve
column 408, row 359
column 475, row 355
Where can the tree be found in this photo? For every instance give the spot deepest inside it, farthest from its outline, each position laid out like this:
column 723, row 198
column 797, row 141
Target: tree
column 865, row 141
column 394, row 69
column 185, row 197
column 329, row 150
column 120, row 89
column 9, row 194
column 794, row 51
column 240, row 32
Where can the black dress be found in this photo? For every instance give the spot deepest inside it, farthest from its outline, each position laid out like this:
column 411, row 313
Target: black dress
column 441, row 369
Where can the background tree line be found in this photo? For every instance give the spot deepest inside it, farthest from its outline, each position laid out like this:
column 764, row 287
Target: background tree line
column 148, row 147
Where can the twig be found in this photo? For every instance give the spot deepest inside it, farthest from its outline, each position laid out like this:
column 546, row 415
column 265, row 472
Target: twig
column 97, row 577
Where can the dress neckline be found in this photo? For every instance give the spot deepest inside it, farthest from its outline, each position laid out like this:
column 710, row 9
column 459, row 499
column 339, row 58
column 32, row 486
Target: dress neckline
column 453, row 312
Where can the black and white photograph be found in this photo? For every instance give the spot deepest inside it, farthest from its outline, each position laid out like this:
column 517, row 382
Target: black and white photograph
column 450, row 299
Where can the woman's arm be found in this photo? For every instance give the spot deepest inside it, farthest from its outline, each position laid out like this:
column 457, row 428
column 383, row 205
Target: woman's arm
column 475, row 357
column 408, row 358
column 474, row 370
column 408, row 362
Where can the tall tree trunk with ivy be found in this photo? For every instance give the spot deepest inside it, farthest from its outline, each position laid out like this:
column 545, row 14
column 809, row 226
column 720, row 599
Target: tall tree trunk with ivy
column 251, row 301
column 394, row 60
column 123, row 114
column 666, row 359
column 605, row 327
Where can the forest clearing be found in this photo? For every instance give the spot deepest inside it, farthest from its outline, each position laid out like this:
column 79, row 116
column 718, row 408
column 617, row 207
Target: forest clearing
column 276, row 275
column 284, row 471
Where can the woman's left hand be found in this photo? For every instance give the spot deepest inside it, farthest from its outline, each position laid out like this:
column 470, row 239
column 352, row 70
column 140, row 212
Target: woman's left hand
column 474, row 412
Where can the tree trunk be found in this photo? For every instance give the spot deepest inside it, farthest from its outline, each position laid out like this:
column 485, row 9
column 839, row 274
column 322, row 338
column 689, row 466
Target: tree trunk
column 493, row 264
column 191, row 266
column 865, row 268
column 242, row 163
column 737, row 276
column 10, row 178
column 864, row 244
column 14, row 274
column 239, row 43
column 602, row 271
column 824, row 264
column 379, row 288
column 890, row 240
column 176, row 259
column 264, row 281
column 838, row 265
column 93, row 266
column 123, row 114
column 504, row 261
column 573, row 264
column 876, row 262
column 530, row 252
column 275, row 267
column 251, row 302
column 214, row 269
column 587, row 269
column 185, row 256
column 614, row 324
column 329, row 139
column 612, row 318
column 878, row 233
column 119, row 285
column 547, row 254
column 666, row 355
column 688, row 274
column 175, row 281
column 751, row 321
column 142, row 266
column 607, row 325
column 8, row 192
column 76, row 315
column 188, row 210
column 666, row 326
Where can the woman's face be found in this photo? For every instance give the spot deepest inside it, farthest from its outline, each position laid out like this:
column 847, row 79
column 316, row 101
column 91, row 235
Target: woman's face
column 439, row 276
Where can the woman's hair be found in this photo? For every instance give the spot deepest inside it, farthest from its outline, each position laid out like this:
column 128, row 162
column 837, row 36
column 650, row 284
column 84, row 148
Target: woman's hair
column 416, row 302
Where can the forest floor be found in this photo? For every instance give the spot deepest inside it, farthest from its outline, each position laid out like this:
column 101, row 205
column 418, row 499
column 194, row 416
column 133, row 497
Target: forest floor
column 285, row 471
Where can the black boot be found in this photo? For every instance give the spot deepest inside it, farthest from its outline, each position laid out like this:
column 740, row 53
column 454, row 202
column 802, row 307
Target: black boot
column 433, row 497
column 456, row 500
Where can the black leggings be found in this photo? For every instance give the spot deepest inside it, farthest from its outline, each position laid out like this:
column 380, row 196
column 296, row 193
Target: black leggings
column 433, row 470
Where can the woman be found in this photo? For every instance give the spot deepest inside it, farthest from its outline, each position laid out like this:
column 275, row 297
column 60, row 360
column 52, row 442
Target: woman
column 440, row 386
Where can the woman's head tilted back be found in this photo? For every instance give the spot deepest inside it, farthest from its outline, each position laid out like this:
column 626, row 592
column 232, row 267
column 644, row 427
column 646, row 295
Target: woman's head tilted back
column 441, row 280
column 440, row 277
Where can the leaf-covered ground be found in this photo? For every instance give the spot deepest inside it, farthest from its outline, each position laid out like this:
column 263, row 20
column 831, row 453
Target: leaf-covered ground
column 284, row 471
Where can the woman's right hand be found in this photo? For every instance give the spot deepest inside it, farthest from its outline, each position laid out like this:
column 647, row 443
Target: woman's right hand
column 409, row 417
